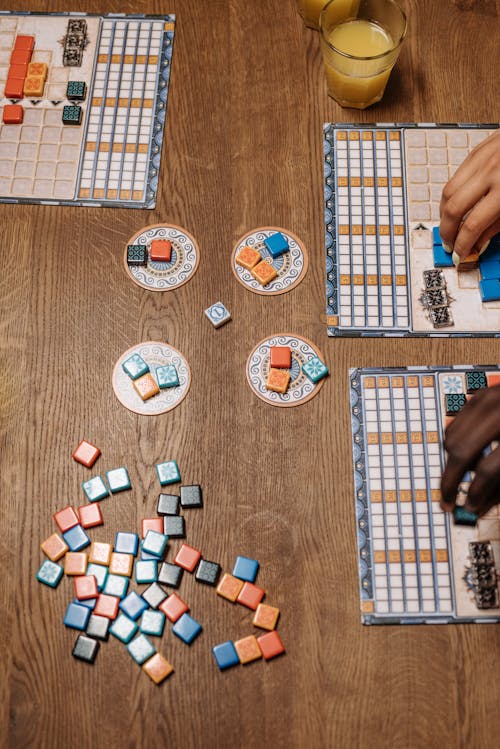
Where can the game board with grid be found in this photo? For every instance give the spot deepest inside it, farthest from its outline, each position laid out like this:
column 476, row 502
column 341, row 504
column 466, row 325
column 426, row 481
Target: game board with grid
column 383, row 186
column 414, row 561
column 113, row 156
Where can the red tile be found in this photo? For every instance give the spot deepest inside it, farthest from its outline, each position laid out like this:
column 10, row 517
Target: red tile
column 281, row 357
column 161, row 250
column 493, row 378
column 86, row 453
column 270, row 645
column 152, row 524
column 250, row 595
column 187, row 557
column 24, row 42
column 14, row 88
column 173, row 607
column 13, row 114
column 20, row 57
column 18, row 71
column 107, row 606
column 66, row 518
column 85, row 587
column 90, row 515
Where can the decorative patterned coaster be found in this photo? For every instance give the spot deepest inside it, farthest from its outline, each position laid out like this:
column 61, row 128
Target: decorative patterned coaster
column 291, row 267
column 301, row 389
column 156, row 354
column 159, row 276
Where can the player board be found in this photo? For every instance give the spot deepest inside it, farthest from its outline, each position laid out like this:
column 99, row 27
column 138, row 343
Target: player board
column 416, row 564
column 92, row 133
column 383, row 186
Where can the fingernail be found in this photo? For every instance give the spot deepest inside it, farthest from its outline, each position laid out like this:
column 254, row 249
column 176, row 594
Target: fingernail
column 456, row 258
column 484, row 247
column 446, row 247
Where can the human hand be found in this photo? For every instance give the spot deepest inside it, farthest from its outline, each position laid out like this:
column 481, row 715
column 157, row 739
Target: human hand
column 470, row 203
column 471, row 431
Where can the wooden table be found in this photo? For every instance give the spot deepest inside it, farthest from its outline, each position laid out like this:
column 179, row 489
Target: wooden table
column 243, row 149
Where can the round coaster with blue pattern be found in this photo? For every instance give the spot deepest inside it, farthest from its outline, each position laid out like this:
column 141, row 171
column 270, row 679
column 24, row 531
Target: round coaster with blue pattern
column 156, row 354
column 301, row 389
column 157, row 276
column 291, row 267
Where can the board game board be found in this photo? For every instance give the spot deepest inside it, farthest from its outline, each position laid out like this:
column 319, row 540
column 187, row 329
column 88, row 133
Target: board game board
column 383, row 186
column 415, row 564
column 93, row 135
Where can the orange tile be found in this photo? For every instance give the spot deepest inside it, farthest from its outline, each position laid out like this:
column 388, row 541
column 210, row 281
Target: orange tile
column 151, row 524
column 158, row 668
column 281, row 357
column 493, row 378
column 37, row 69
column 121, row 564
column 34, row 85
column 86, row 453
column 160, row 250
column 266, row 616
column 90, row 515
column 278, row 380
column 54, row 547
column 271, row 645
column 13, row 114
column 173, row 607
column 100, row 553
column 75, row 563
column 248, row 258
column 85, row 587
column 250, row 595
column 263, row 272
column 66, row 518
column 229, row 587
column 107, row 606
column 248, row 649
column 146, row 386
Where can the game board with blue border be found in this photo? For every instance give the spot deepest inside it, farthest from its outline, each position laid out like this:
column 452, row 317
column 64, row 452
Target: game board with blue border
column 418, row 564
column 82, row 107
column 387, row 271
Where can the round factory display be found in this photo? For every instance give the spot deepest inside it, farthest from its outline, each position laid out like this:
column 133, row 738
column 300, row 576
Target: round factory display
column 285, row 370
column 269, row 260
column 151, row 378
column 161, row 257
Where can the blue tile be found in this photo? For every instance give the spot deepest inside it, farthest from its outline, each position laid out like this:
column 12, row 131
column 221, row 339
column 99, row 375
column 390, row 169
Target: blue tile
column 118, row 480
column 489, row 290
column 147, row 557
column 489, row 268
column 168, row 472
column 226, row 655
column 493, row 251
column 141, row 649
column 133, row 605
column 276, row 244
column 76, row 616
column 95, row 489
column 186, row 628
column 246, row 569
column 135, row 366
column 436, row 236
column 76, row 538
column 442, row 259
column 50, row 574
column 89, row 603
column 126, row 543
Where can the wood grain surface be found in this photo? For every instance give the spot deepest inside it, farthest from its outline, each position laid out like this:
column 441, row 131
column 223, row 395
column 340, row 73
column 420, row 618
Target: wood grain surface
column 242, row 149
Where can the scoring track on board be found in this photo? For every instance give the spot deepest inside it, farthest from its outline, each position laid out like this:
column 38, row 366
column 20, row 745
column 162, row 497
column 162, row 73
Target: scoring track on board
column 301, row 389
column 156, row 354
column 291, row 267
column 156, row 276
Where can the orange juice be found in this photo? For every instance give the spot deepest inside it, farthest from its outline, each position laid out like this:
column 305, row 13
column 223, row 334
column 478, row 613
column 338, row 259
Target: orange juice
column 310, row 10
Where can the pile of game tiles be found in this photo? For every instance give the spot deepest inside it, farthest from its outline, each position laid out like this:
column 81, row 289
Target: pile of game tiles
column 145, row 385
column 103, row 603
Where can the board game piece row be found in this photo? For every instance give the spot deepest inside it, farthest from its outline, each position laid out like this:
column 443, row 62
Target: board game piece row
column 262, row 269
column 145, row 384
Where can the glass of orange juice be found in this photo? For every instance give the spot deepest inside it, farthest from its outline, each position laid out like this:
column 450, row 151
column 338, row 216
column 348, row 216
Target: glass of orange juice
column 310, row 10
column 360, row 48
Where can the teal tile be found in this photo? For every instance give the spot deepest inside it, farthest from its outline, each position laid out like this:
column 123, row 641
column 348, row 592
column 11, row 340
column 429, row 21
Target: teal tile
column 116, row 585
column 154, row 543
column 118, row 480
column 135, row 366
column 167, row 377
column 100, row 573
column 315, row 369
column 123, row 628
column 168, row 472
column 152, row 623
column 50, row 574
column 141, row 649
column 95, row 489
column 146, row 571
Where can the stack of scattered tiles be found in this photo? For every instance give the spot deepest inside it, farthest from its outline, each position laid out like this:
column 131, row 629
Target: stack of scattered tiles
column 103, row 602
column 13, row 114
column 145, row 384
column 259, row 259
column 279, row 376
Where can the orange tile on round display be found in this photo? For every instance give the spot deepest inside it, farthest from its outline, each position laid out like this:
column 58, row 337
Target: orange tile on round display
column 158, row 668
column 66, row 519
column 100, row 553
column 229, row 587
column 151, row 524
column 85, row 587
column 270, row 645
column 146, row 386
column 264, row 273
column 86, row 453
column 248, row 649
column 121, row 564
column 90, row 515
column 187, row 557
column 278, row 380
column 248, row 258
column 250, row 595
column 281, row 357
column 173, row 607
column 75, row 563
column 106, row 606
column 266, row 616
column 54, row 547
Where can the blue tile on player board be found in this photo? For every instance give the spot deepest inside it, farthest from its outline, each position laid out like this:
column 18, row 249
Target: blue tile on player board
column 442, row 259
column 489, row 290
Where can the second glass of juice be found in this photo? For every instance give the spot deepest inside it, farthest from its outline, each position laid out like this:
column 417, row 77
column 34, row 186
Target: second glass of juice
column 360, row 49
